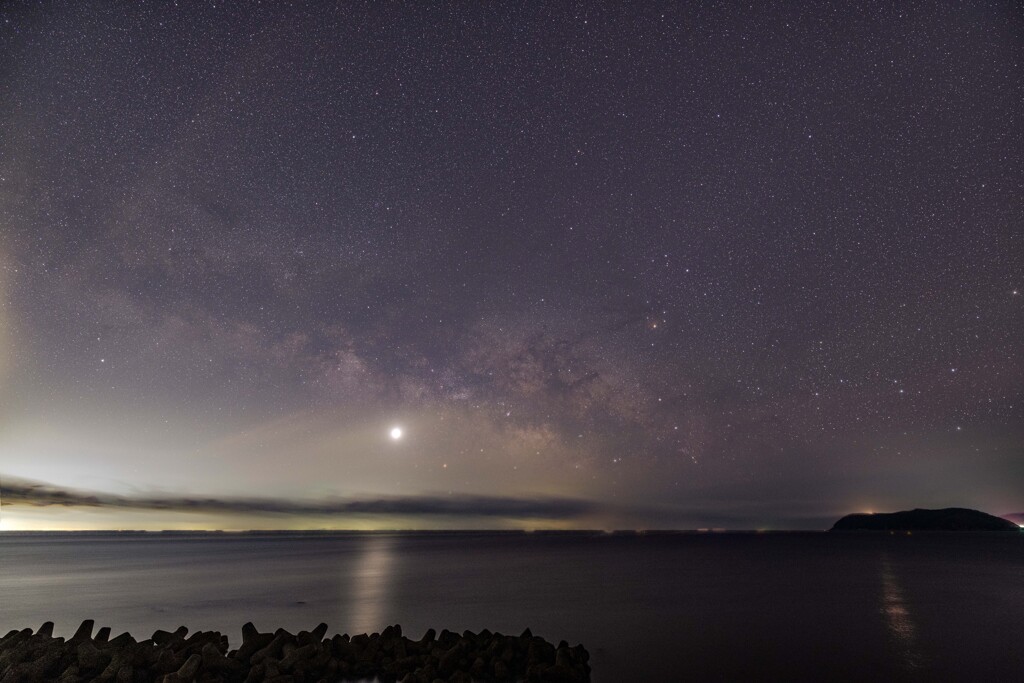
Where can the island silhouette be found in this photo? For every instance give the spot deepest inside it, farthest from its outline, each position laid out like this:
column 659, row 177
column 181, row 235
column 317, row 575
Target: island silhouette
column 946, row 519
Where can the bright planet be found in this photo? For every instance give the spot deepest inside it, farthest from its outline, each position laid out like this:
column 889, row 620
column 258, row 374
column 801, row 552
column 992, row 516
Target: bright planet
column 396, row 433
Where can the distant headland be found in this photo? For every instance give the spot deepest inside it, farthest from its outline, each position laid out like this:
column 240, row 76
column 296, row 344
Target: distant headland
column 946, row 519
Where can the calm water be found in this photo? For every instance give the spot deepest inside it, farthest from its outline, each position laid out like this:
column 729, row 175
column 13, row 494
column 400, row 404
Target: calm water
column 793, row 607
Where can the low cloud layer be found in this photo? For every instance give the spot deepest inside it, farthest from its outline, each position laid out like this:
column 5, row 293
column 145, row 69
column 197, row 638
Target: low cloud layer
column 36, row 494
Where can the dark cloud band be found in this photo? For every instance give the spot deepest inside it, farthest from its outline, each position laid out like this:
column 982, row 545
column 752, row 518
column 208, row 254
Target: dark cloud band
column 36, row 494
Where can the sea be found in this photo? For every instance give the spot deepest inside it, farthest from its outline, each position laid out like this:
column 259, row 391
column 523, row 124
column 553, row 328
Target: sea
column 656, row 606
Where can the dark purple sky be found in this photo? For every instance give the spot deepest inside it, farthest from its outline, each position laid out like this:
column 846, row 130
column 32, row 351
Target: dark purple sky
column 624, row 264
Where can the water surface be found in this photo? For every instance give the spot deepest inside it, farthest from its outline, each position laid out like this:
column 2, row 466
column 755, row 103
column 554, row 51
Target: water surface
column 656, row 607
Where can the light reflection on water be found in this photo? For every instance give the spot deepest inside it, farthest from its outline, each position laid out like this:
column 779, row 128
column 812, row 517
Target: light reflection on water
column 371, row 583
column 898, row 619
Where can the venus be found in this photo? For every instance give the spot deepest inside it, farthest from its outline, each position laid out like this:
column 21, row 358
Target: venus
column 396, row 433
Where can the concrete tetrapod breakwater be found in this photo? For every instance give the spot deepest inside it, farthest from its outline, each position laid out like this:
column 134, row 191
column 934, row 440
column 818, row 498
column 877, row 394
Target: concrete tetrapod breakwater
column 283, row 657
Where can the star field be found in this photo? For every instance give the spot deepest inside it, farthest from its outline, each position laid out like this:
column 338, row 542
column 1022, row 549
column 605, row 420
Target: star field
column 703, row 266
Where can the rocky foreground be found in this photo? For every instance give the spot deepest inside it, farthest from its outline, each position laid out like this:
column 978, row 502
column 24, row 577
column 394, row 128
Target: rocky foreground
column 281, row 657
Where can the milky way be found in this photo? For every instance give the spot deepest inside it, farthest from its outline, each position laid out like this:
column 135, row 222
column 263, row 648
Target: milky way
column 702, row 266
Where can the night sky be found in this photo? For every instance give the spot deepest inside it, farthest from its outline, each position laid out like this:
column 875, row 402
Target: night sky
column 634, row 265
